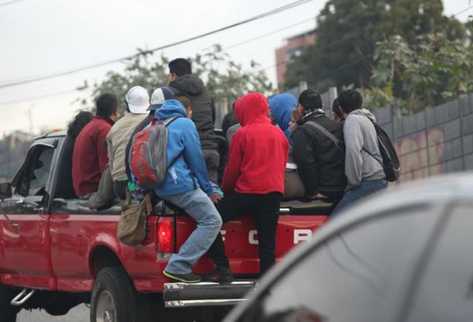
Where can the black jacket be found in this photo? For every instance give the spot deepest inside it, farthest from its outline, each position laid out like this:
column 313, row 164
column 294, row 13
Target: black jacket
column 321, row 164
column 202, row 107
column 228, row 121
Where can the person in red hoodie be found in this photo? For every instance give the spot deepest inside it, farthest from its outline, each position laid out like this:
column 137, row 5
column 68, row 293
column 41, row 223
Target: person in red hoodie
column 253, row 181
column 90, row 157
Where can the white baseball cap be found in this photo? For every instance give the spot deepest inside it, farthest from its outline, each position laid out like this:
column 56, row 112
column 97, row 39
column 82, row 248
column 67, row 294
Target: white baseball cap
column 160, row 95
column 137, row 99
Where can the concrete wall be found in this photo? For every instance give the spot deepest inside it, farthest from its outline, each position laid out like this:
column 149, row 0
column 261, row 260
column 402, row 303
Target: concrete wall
column 435, row 141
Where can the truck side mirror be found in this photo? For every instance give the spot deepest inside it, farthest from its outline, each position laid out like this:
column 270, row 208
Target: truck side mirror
column 5, row 190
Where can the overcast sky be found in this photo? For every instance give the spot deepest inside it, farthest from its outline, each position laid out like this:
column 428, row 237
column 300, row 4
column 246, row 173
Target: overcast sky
column 40, row 37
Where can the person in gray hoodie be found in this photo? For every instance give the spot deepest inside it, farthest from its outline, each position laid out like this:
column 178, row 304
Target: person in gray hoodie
column 363, row 160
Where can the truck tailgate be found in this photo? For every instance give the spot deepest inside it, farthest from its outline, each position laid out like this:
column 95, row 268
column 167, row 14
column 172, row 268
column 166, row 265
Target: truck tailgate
column 241, row 238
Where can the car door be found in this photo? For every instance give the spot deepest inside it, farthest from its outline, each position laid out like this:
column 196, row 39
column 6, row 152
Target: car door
column 358, row 274
column 443, row 287
column 24, row 221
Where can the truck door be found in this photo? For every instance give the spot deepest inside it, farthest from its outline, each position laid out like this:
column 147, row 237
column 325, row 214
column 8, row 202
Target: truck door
column 24, row 222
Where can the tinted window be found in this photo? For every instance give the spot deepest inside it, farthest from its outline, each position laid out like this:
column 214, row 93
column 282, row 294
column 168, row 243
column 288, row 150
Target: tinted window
column 446, row 288
column 357, row 275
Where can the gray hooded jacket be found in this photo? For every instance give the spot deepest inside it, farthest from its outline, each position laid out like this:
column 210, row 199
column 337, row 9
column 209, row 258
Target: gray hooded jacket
column 360, row 136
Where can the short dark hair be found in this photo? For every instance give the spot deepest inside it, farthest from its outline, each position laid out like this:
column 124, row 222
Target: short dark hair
column 180, row 67
column 106, row 104
column 310, row 100
column 78, row 122
column 350, row 100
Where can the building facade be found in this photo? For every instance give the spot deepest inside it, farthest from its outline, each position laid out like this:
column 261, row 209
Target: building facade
column 292, row 47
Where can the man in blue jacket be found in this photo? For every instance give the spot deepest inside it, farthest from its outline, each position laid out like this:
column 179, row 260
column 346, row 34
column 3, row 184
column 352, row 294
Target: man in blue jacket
column 187, row 185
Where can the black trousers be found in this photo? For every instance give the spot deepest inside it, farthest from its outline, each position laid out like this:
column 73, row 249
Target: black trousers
column 120, row 189
column 265, row 211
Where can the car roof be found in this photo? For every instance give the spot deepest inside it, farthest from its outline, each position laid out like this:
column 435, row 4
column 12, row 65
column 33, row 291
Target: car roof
column 53, row 134
column 438, row 192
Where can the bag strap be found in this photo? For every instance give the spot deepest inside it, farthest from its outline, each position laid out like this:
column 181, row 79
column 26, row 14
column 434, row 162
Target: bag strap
column 368, row 152
column 326, row 133
column 168, row 121
column 372, row 155
column 148, row 204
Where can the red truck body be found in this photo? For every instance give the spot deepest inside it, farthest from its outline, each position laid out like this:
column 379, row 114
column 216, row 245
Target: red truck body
column 56, row 252
column 48, row 246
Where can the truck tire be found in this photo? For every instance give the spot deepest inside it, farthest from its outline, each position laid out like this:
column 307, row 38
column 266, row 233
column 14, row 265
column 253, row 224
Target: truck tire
column 113, row 297
column 7, row 311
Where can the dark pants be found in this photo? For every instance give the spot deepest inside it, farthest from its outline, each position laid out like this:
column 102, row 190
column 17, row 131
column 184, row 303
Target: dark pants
column 265, row 211
column 365, row 189
column 120, row 189
column 212, row 160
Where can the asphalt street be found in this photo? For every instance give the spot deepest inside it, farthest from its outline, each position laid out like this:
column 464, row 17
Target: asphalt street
column 77, row 314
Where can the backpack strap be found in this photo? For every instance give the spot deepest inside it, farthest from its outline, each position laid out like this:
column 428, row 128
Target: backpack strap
column 166, row 123
column 368, row 152
column 325, row 133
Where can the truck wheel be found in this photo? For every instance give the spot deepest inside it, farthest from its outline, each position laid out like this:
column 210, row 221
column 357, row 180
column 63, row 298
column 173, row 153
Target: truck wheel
column 8, row 312
column 113, row 297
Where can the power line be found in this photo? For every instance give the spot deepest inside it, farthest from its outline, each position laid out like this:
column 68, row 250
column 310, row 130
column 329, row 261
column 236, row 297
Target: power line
column 146, row 52
column 36, row 98
column 59, row 93
column 463, row 11
column 270, row 33
column 7, row 3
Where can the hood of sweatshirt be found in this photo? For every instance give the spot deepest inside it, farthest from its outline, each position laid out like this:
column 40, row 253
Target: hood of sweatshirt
column 252, row 108
column 282, row 106
column 364, row 112
column 188, row 84
column 170, row 108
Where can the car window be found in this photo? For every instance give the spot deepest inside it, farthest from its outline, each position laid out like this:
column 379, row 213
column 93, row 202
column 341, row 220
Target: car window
column 35, row 175
column 445, row 291
column 355, row 276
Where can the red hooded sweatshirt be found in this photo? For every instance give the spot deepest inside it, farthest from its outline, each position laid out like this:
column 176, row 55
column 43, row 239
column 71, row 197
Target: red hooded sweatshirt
column 258, row 152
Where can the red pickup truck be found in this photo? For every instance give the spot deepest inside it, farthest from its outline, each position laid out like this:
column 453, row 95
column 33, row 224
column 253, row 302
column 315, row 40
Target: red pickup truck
column 56, row 253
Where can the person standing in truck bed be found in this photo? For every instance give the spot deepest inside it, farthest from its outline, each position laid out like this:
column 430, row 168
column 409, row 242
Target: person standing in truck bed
column 203, row 112
column 253, row 181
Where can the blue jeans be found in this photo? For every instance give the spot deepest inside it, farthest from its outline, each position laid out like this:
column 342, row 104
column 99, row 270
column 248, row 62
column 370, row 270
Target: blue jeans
column 365, row 189
column 199, row 206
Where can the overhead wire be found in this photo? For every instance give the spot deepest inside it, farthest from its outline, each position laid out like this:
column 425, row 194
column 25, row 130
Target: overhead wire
column 166, row 46
column 60, row 93
column 7, row 3
column 463, row 11
column 40, row 97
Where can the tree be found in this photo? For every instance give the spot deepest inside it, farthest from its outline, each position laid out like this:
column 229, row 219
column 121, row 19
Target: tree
column 225, row 79
column 348, row 31
column 435, row 70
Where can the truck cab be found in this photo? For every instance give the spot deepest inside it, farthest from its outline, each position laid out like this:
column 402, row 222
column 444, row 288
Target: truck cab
column 55, row 253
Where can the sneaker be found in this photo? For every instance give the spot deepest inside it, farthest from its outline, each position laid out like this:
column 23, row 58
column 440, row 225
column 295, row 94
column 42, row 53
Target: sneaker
column 185, row 278
column 221, row 275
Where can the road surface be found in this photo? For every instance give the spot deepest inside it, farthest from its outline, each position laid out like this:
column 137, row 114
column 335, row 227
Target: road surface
column 77, row 314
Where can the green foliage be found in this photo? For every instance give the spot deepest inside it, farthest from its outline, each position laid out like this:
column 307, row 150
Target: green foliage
column 225, row 79
column 348, row 33
column 435, row 70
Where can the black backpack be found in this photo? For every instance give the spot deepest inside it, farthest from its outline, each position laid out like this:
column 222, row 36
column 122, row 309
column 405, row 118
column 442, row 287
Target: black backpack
column 390, row 163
